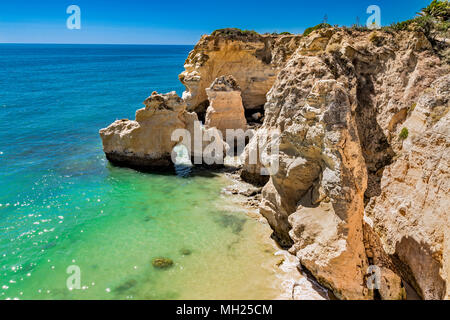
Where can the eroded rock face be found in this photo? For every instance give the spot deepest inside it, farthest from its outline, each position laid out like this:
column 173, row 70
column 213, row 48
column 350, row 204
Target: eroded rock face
column 252, row 59
column 225, row 110
column 316, row 198
column 391, row 287
column 340, row 103
column 411, row 213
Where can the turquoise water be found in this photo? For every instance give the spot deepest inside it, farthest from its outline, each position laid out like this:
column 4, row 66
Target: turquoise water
column 62, row 204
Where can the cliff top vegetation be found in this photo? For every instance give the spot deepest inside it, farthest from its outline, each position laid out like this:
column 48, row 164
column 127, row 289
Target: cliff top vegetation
column 432, row 20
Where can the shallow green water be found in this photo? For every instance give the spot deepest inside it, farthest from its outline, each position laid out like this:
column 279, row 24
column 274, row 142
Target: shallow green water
column 141, row 217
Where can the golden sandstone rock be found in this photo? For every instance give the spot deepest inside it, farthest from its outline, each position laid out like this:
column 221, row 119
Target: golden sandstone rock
column 411, row 213
column 149, row 141
column 252, row 59
column 225, row 110
column 146, row 142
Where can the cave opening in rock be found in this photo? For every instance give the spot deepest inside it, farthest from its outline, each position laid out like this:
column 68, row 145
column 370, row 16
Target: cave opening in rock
column 200, row 110
column 255, row 116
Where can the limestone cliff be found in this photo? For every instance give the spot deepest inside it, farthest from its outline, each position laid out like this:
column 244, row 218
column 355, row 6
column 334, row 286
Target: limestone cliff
column 341, row 103
column 411, row 213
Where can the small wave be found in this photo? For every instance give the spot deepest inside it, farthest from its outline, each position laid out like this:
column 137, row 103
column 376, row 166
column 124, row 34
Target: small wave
column 183, row 170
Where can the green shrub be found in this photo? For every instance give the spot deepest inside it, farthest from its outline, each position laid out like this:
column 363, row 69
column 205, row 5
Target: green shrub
column 285, row 33
column 234, row 32
column 319, row 26
column 357, row 27
column 404, row 134
column 250, row 32
column 400, row 26
column 432, row 18
column 437, row 9
column 424, row 24
column 443, row 26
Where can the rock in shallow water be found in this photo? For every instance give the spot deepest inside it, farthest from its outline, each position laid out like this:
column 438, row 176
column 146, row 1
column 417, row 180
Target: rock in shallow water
column 162, row 263
column 149, row 141
column 186, row 252
column 126, row 286
column 146, row 142
column 236, row 224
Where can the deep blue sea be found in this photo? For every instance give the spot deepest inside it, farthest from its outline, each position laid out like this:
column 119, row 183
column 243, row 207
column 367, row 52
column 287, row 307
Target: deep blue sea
column 62, row 204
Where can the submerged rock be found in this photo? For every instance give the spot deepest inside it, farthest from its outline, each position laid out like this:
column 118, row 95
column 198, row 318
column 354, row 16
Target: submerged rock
column 280, row 262
column 148, row 218
column 126, row 286
column 186, row 252
column 162, row 263
column 27, row 267
column 236, row 224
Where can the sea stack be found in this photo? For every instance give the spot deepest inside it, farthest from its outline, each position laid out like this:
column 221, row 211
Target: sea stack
column 226, row 110
column 146, row 142
column 149, row 141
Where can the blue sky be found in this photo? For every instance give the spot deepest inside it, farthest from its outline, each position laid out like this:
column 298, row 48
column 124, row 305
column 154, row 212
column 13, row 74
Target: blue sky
column 179, row 22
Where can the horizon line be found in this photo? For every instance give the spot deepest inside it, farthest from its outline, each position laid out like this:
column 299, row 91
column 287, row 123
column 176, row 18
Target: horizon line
column 100, row 44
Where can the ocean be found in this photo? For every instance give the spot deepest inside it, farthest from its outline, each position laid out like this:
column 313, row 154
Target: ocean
column 63, row 207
